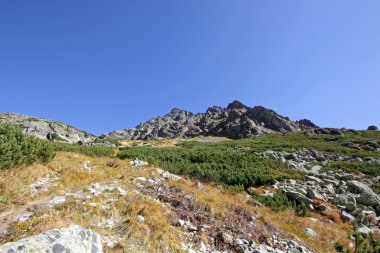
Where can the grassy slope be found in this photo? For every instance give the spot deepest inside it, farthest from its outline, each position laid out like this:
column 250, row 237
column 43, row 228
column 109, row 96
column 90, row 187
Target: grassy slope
column 156, row 234
column 215, row 162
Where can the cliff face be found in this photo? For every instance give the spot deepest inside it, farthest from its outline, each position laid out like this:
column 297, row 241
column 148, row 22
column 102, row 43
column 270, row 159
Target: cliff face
column 235, row 121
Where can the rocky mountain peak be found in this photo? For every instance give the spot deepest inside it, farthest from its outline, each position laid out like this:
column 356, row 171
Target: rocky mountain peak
column 236, row 105
column 235, row 121
column 176, row 111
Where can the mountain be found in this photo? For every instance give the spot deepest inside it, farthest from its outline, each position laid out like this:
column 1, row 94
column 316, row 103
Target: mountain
column 47, row 129
column 235, row 121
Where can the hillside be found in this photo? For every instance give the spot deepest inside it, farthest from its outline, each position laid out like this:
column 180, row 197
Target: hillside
column 280, row 192
column 236, row 121
column 47, row 129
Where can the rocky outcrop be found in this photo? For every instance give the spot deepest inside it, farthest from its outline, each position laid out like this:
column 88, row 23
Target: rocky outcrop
column 373, row 128
column 72, row 239
column 352, row 194
column 368, row 145
column 47, row 129
column 235, row 121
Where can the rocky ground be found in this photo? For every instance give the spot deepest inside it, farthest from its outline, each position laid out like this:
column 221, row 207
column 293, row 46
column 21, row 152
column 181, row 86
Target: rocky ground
column 351, row 193
column 135, row 207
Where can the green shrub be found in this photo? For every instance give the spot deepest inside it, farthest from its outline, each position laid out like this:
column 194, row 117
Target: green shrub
column 280, row 202
column 362, row 245
column 16, row 148
column 370, row 169
column 86, row 150
column 213, row 163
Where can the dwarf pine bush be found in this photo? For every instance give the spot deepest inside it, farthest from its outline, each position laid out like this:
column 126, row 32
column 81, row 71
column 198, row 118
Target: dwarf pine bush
column 16, row 148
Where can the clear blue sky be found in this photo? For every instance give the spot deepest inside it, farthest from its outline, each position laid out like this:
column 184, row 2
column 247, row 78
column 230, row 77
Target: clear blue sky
column 106, row 65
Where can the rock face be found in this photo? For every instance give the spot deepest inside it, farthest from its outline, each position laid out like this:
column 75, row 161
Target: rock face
column 235, row 122
column 72, row 239
column 47, row 129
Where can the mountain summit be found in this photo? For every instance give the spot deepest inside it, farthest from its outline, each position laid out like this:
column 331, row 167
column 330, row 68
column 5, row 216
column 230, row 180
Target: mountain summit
column 235, row 121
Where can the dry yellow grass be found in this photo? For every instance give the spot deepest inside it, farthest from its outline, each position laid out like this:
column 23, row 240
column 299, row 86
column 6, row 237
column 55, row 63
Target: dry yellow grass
column 156, row 234
column 224, row 202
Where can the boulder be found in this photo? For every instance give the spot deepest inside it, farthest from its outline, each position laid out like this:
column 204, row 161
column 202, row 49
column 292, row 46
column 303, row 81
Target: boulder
column 72, row 239
column 373, row 128
column 346, row 216
column 365, row 231
column 299, row 197
column 311, row 233
column 313, row 194
column 366, row 196
column 312, row 178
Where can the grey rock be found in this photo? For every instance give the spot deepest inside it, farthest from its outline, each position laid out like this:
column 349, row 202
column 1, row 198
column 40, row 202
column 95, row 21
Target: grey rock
column 340, row 200
column 312, row 178
column 47, row 129
column 367, row 196
column 227, row 238
column 313, row 194
column 299, row 197
column 311, row 233
column 346, row 216
column 72, row 239
column 373, row 128
column 235, row 121
column 365, row 231
column 348, row 177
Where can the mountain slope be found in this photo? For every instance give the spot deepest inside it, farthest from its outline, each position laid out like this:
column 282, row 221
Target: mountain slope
column 236, row 121
column 47, row 129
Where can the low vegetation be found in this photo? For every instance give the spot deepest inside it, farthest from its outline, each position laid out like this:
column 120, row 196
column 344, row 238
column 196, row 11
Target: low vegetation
column 213, row 163
column 370, row 169
column 362, row 244
column 86, row 150
column 16, row 148
column 296, row 140
column 281, row 202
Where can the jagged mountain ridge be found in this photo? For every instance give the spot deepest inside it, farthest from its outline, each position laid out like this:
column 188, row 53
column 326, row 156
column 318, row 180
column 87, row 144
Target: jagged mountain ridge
column 235, row 121
column 47, row 129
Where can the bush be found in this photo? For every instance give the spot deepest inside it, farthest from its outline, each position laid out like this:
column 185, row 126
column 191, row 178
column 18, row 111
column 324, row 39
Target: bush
column 213, row 163
column 278, row 202
column 362, row 245
column 370, row 169
column 16, row 148
column 86, row 150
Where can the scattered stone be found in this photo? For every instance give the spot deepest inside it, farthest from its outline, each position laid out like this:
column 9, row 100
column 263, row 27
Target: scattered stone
column 311, row 233
column 140, row 218
column 121, row 191
column 138, row 163
column 25, row 216
column 86, row 166
column 57, row 200
column 226, row 238
column 42, row 184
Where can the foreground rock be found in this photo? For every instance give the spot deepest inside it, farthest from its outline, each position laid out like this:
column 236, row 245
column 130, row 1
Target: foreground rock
column 72, row 239
column 235, row 122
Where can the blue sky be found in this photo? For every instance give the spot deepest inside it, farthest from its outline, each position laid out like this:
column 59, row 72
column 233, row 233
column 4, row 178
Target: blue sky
column 106, row 65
